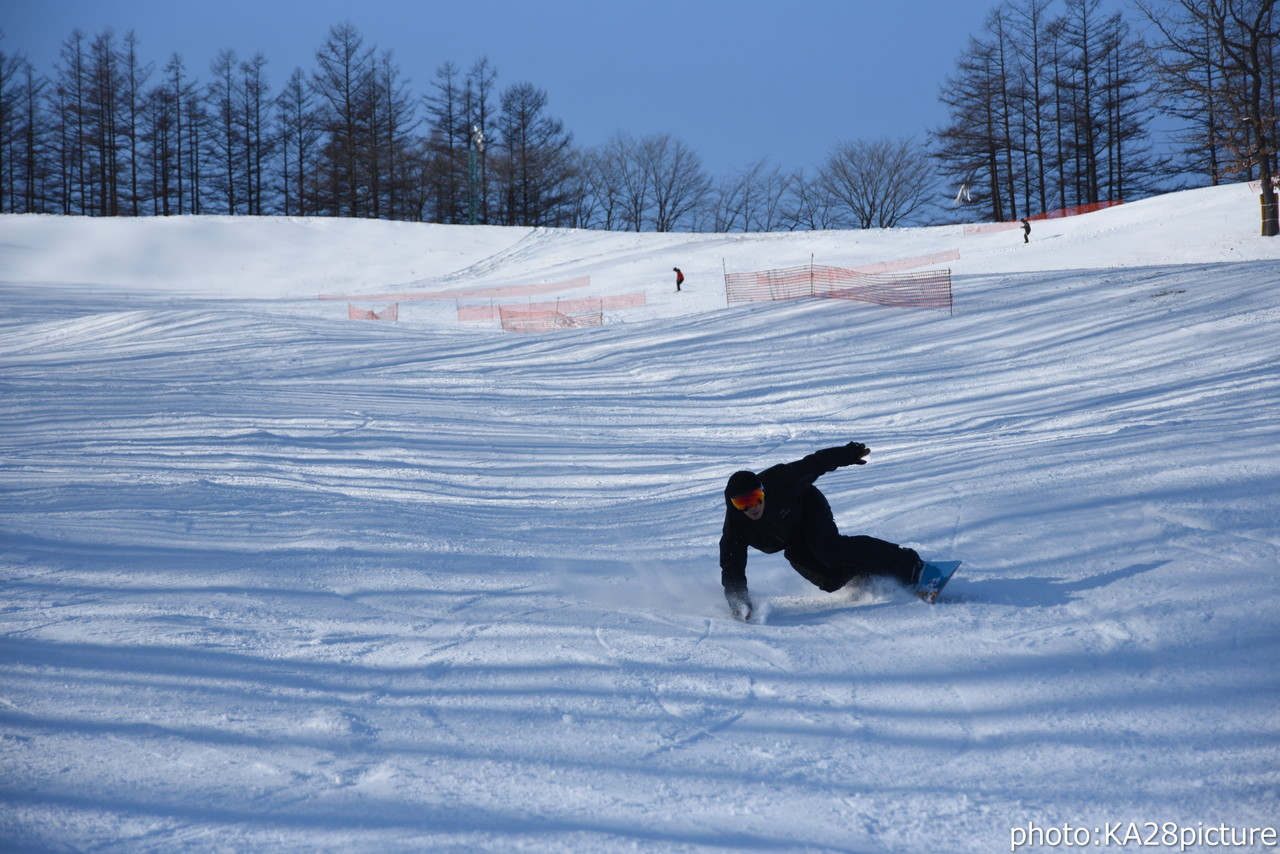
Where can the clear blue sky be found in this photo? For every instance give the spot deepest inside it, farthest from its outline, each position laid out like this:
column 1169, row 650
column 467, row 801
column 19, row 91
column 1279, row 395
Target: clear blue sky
column 736, row 80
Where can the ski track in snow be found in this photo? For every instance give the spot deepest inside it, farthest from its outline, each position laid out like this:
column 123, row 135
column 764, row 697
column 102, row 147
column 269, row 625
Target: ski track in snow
column 277, row 581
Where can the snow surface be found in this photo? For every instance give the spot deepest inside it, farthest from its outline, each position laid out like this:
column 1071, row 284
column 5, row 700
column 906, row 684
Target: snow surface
column 277, row 581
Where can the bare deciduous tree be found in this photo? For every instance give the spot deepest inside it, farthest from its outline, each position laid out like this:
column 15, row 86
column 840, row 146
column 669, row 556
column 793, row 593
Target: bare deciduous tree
column 132, row 101
column 679, row 183
column 809, row 206
column 343, row 85
column 537, row 167
column 226, row 141
column 1223, row 55
column 21, row 138
column 751, row 199
column 298, row 129
column 652, row 183
column 447, row 147
column 881, row 184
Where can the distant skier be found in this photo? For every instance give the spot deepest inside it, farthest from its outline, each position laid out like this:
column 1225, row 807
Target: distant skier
column 679, row 278
column 781, row 510
column 1026, row 231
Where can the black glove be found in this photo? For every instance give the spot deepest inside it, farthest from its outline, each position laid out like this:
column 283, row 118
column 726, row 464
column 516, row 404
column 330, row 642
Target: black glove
column 739, row 602
column 857, row 451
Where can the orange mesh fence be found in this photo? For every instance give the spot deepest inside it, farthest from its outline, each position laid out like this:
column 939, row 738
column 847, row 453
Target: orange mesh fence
column 477, row 313
column 923, row 289
column 526, row 320
column 472, row 313
column 767, row 285
column 392, row 312
column 990, row 227
column 899, row 264
column 1074, row 210
column 495, row 292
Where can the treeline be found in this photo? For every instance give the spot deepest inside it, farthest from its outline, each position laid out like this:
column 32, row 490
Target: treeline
column 109, row 135
column 1054, row 110
column 1050, row 111
column 1045, row 111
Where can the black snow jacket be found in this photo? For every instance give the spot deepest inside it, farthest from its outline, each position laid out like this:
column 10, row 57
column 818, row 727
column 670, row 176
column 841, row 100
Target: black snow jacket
column 784, row 494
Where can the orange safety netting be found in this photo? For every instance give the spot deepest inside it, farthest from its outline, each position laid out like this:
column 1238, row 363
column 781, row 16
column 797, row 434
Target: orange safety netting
column 1074, row 210
column 525, row 320
column 897, row 265
column 495, row 292
column 390, row 313
column 923, row 289
column 472, row 313
column 991, row 227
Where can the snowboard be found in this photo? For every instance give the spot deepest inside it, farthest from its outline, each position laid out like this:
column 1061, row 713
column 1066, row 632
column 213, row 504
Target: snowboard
column 934, row 577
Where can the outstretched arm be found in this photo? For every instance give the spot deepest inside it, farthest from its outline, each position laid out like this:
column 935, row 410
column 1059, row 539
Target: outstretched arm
column 818, row 463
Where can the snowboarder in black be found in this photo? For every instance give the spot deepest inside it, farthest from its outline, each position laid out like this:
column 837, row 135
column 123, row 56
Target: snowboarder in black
column 780, row 509
column 1026, row 231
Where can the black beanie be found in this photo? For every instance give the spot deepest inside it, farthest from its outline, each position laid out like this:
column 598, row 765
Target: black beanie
column 740, row 483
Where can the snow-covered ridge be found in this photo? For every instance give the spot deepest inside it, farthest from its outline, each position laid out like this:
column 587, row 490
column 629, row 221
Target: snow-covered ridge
column 273, row 257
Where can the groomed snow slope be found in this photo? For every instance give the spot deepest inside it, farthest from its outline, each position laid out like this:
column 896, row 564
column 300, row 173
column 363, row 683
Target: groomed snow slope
column 279, row 581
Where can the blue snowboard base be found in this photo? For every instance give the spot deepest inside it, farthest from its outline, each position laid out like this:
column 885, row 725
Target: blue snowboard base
column 934, row 577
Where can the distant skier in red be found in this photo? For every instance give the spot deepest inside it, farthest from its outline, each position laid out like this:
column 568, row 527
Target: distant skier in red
column 679, row 277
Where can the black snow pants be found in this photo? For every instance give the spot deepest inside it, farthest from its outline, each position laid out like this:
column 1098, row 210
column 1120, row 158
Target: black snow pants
column 825, row 557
